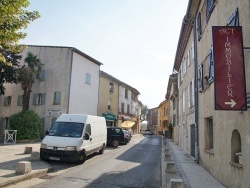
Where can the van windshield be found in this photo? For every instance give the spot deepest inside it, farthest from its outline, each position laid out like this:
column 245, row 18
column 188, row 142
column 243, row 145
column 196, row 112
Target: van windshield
column 66, row 129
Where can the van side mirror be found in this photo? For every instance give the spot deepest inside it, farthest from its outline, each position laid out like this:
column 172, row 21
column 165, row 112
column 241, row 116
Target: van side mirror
column 46, row 132
column 86, row 136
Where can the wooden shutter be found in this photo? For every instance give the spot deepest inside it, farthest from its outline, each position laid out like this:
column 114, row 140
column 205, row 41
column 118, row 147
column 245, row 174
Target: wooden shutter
column 211, row 67
column 42, row 75
column 234, row 18
column 193, row 91
column 34, row 99
column 57, row 97
column 5, row 101
column 201, row 87
column 199, row 26
column 43, row 98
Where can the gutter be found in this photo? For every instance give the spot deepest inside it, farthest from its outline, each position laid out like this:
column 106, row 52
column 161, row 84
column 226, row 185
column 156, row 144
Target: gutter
column 196, row 93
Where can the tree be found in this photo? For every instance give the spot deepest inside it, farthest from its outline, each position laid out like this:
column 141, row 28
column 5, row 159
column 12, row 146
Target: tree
column 8, row 73
column 27, row 75
column 14, row 17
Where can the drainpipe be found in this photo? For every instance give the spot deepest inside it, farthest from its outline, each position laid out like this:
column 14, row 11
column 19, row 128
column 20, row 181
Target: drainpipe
column 196, row 93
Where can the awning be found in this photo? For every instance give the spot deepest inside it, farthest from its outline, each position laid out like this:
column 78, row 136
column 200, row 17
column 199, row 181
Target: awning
column 127, row 124
column 109, row 116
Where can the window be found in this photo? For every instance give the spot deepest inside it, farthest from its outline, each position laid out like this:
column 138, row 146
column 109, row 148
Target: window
column 88, row 79
column 57, row 98
column 234, row 18
column 39, row 99
column 209, row 134
column 128, row 108
column 191, row 94
column 236, row 147
column 42, row 75
column 183, row 103
column 201, row 83
column 209, row 8
column 199, row 30
column 109, row 104
column 211, row 67
column 111, row 87
column 192, row 50
column 122, row 107
column 126, row 93
column 19, row 100
column 7, row 101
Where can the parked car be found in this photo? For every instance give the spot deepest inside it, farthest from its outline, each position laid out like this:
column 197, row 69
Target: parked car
column 127, row 136
column 148, row 132
column 115, row 136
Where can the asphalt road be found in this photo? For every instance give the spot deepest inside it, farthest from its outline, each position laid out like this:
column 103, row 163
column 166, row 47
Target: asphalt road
column 135, row 165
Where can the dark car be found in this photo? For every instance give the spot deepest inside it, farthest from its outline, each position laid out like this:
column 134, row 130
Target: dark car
column 127, row 136
column 115, row 136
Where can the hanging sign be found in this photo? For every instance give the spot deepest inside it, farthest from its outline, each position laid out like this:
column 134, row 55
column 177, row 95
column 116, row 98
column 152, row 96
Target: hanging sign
column 229, row 68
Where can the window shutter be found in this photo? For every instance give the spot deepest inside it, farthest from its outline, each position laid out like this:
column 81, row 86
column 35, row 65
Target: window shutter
column 199, row 26
column 183, row 98
column 193, row 91
column 192, row 50
column 43, row 98
column 234, row 18
column 201, row 78
column 5, row 101
column 19, row 100
column 211, row 67
column 188, row 60
column 42, row 75
column 209, row 7
column 57, row 97
column 189, row 101
column 34, row 99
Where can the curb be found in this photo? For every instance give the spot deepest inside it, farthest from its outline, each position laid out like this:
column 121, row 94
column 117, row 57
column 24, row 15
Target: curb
column 20, row 178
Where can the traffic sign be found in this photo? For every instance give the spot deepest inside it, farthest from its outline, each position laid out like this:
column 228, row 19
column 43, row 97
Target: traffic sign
column 229, row 68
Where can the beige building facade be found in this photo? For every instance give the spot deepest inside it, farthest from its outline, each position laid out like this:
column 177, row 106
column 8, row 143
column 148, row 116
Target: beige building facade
column 108, row 99
column 163, row 118
column 221, row 136
column 69, row 84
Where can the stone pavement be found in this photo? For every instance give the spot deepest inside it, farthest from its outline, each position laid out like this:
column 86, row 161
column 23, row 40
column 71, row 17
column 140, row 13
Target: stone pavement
column 11, row 154
column 192, row 174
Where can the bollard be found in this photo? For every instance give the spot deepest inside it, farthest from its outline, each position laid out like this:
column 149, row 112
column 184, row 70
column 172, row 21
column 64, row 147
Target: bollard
column 170, row 167
column 23, row 167
column 35, row 156
column 168, row 157
column 176, row 183
column 28, row 150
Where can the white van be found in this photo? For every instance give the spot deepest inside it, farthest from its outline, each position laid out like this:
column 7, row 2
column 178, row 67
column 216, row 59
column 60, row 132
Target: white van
column 73, row 137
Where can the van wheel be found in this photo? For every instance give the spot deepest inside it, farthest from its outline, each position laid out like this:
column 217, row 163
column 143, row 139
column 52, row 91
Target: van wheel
column 82, row 158
column 101, row 151
column 115, row 143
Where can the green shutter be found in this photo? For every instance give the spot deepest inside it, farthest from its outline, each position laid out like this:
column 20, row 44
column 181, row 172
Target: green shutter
column 18, row 100
column 43, row 98
column 5, row 101
column 34, row 99
column 42, row 75
column 57, row 97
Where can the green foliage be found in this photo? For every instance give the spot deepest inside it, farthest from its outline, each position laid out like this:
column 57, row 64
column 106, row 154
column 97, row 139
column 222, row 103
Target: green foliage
column 14, row 17
column 28, row 125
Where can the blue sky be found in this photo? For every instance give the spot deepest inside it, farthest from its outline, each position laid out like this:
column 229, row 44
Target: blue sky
column 136, row 40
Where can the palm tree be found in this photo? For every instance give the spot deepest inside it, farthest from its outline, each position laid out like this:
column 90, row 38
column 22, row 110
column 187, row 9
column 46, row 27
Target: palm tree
column 27, row 75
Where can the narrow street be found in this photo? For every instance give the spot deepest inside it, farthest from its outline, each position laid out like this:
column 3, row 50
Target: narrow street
column 137, row 164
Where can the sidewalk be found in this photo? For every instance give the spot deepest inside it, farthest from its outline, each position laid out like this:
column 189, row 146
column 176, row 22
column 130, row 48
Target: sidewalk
column 11, row 154
column 192, row 174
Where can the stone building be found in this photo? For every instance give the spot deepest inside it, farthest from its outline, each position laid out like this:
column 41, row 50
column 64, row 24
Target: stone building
column 221, row 134
column 69, row 84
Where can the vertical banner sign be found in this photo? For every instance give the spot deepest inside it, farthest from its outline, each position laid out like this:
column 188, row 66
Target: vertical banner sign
column 229, row 68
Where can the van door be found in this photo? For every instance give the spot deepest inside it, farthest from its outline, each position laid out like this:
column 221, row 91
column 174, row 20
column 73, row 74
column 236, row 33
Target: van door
column 87, row 144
